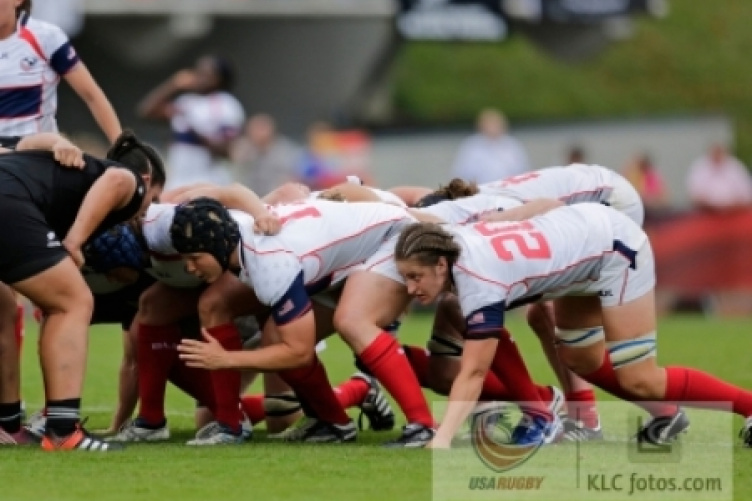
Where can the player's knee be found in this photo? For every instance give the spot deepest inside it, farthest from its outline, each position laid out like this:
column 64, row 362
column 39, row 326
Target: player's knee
column 634, row 363
column 347, row 321
column 440, row 382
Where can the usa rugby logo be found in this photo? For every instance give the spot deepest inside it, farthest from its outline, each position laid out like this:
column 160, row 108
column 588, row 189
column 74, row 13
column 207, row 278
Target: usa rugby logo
column 29, row 63
column 491, row 439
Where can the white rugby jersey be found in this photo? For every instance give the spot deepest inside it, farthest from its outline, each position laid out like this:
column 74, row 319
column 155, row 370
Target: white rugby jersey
column 32, row 60
column 468, row 209
column 319, row 239
column 218, row 116
column 571, row 184
column 555, row 254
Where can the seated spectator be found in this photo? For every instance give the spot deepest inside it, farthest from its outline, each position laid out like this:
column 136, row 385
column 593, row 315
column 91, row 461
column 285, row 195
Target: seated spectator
column 718, row 181
column 490, row 154
column 648, row 182
column 263, row 158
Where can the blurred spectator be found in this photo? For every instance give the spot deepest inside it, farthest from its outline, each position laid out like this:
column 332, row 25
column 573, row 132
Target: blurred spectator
column 330, row 156
column 719, row 181
column 490, row 154
column 648, row 182
column 264, row 159
column 576, row 155
column 205, row 120
column 67, row 14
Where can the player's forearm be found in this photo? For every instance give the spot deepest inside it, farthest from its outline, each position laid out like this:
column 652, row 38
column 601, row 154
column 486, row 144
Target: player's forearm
column 153, row 104
column 271, row 358
column 530, row 209
column 464, row 395
column 241, row 198
column 105, row 116
column 39, row 141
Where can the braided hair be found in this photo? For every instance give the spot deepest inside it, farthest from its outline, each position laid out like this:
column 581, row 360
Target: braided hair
column 205, row 225
column 139, row 156
column 426, row 243
column 457, row 188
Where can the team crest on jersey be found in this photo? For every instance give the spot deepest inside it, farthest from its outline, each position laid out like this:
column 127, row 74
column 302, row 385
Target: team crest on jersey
column 29, row 63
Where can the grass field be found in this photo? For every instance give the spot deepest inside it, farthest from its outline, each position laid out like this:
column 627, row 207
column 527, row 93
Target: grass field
column 363, row 471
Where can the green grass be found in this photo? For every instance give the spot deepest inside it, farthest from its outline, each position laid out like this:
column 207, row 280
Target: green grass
column 695, row 60
column 364, row 471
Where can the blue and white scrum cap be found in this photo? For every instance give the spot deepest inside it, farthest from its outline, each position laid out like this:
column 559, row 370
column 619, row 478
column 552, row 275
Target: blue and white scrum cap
column 205, row 225
column 118, row 247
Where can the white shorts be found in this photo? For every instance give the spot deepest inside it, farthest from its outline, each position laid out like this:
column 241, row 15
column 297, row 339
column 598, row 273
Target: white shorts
column 382, row 262
column 629, row 272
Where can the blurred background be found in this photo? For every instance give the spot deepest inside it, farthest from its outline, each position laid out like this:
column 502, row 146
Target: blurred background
column 416, row 91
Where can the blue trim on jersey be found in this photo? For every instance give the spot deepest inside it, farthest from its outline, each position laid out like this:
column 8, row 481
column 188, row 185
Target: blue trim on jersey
column 64, row 59
column 188, row 137
column 628, row 253
column 486, row 322
column 20, row 101
column 293, row 304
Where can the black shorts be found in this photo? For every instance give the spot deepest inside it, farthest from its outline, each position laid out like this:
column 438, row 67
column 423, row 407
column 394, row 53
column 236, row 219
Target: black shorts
column 28, row 246
column 120, row 307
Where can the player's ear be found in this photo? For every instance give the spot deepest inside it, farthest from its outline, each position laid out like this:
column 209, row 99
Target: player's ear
column 147, row 179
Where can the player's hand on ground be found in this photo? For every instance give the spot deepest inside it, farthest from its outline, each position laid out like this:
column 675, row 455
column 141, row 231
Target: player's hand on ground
column 68, row 154
column 268, row 225
column 437, row 443
column 207, row 354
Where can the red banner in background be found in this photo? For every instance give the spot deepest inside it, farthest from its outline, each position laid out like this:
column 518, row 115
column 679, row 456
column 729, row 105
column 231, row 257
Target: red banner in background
column 697, row 254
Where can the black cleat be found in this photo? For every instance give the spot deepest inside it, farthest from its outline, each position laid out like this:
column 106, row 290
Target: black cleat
column 414, row 435
column 663, row 430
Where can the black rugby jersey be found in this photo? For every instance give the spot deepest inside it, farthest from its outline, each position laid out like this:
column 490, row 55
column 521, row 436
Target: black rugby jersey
column 59, row 191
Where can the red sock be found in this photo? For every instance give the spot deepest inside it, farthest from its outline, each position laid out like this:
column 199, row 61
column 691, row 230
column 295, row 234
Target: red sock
column 351, row 393
column 226, row 382
column 19, row 327
column 605, row 379
column 253, row 406
column 581, row 407
column 387, row 361
column 509, row 367
column 418, row 359
column 692, row 386
column 156, row 356
column 196, row 383
column 312, row 387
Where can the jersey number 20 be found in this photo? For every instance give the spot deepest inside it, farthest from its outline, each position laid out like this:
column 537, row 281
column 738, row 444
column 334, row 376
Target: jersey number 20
column 531, row 244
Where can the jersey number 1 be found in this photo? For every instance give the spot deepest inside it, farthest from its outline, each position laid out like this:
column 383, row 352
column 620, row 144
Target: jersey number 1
column 531, row 244
column 307, row 212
